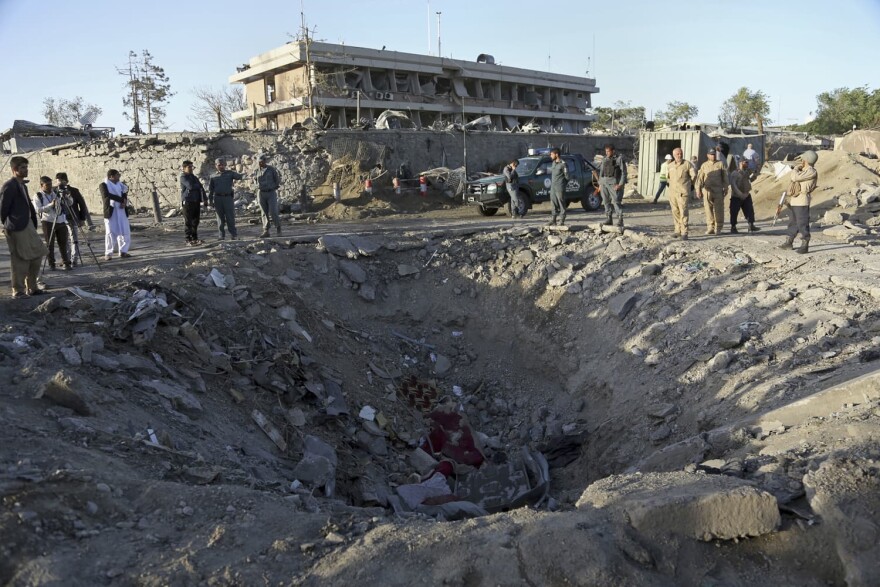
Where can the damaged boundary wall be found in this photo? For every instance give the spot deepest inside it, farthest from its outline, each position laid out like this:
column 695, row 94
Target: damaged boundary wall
column 301, row 156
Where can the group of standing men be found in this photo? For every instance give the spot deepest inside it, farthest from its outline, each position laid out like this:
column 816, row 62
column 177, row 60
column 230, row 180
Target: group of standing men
column 219, row 195
column 715, row 180
column 721, row 176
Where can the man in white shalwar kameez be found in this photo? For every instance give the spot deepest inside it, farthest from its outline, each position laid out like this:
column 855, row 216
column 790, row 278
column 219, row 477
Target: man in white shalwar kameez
column 117, row 230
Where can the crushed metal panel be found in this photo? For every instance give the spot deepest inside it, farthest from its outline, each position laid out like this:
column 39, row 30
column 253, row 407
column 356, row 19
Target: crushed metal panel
column 523, row 480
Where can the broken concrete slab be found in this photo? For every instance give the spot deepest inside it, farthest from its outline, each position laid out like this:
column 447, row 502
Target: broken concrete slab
column 60, row 390
column 181, row 399
column 338, row 245
column 703, row 507
column 318, row 465
column 846, row 494
column 405, row 270
column 353, row 271
column 621, row 304
column 364, row 245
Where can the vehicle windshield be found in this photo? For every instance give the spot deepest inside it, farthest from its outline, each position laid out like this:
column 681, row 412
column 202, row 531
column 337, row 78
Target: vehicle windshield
column 527, row 166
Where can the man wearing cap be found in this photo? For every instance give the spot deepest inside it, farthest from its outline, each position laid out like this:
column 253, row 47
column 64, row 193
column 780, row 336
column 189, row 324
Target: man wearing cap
column 664, row 179
column 20, row 228
column 268, row 181
column 192, row 195
column 680, row 177
column 741, row 197
column 221, row 193
column 612, row 178
column 803, row 181
column 712, row 185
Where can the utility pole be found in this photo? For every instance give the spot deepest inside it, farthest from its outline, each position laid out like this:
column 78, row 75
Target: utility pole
column 439, row 52
column 305, row 33
column 429, row 27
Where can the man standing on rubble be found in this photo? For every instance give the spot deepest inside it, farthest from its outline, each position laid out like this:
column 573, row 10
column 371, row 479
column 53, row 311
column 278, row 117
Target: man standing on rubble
column 19, row 220
column 803, row 181
column 221, row 193
column 612, row 178
column 751, row 157
column 511, row 182
column 741, row 197
column 268, row 181
column 192, row 197
column 680, row 175
column 558, row 181
column 712, row 185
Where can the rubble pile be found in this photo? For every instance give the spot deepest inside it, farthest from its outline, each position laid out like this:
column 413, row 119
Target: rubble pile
column 311, row 408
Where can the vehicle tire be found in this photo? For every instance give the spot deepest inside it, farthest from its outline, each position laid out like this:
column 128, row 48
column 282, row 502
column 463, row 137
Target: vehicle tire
column 524, row 196
column 487, row 211
column 591, row 202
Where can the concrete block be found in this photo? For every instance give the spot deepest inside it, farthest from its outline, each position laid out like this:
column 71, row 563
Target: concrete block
column 704, row 507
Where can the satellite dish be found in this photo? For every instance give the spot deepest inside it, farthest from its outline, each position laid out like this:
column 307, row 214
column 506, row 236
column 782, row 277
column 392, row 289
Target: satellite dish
column 88, row 119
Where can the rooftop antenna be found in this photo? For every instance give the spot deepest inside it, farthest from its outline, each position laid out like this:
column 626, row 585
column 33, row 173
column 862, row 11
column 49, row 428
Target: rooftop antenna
column 439, row 52
column 548, row 59
column 429, row 27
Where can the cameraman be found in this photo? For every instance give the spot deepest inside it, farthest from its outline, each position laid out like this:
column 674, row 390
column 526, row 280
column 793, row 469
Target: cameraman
column 54, row 222
column 78, row 212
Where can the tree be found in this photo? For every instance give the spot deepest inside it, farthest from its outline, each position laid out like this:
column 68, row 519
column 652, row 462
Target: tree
column 622, row 114
column 213, row 109
column 63, row 112
column 840, row 109
column 148, row 89
column 677, row 113
column 744, row 107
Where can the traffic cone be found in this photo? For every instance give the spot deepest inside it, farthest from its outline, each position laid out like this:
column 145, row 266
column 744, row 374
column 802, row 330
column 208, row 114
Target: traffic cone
column 368, row 186
column 423, row 185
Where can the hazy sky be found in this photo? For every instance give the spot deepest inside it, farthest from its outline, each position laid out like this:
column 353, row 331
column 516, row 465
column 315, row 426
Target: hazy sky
column 647, row 53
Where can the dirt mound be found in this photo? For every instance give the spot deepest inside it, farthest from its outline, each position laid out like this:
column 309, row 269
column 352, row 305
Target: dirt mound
column 839, row 173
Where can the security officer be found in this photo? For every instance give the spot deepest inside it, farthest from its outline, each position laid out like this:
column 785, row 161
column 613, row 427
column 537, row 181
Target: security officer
column 713, row 183
column 680, row 174
column 511, row 182
column 220, row 192
column 612, row 178
column 192, row 195
column 741, row 197
column 268, row 181
column 558, row 181
column 803, row 181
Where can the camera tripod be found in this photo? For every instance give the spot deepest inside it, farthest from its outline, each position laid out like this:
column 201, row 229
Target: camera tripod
column 76, row 232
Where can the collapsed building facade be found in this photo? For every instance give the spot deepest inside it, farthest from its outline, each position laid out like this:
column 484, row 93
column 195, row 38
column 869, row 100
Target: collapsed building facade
column 342, row 86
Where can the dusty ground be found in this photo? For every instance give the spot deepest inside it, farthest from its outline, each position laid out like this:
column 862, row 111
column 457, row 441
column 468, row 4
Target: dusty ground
column 696, row 373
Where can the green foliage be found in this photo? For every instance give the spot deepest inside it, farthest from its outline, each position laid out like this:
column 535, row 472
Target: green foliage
column 622, row 115
column 148, row 90
column 840, row 109
column 744, row 108
column 63, row 112
column 677, row 112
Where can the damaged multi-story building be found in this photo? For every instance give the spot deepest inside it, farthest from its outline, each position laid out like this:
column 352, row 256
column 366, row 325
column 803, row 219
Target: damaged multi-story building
column 342, row 86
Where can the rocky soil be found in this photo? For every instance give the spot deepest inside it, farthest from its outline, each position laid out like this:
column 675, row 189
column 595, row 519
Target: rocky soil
column 709, row 409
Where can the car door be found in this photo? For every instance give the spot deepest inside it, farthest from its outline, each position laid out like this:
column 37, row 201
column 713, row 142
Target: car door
column 575, row 179
column 539, row 181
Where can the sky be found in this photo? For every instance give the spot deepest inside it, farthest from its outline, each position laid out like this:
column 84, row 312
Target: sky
column 641, row 52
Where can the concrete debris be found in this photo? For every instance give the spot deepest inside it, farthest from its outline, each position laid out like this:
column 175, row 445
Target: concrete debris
column 693, row 505
column 318, row 465
column 621, row 304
